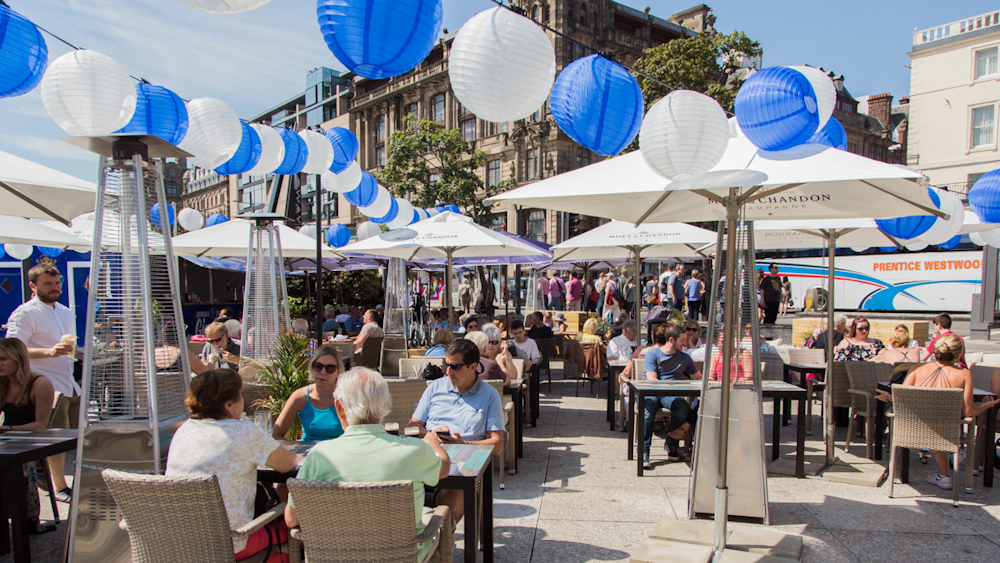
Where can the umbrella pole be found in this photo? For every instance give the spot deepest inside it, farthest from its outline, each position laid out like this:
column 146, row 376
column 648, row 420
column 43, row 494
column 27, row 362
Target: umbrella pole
column 829, row 420
column 319, row 262
column 637, row 308
column 728, row 327
column 447, row 288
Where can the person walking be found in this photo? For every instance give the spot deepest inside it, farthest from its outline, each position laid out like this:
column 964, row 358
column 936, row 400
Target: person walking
column 574, row 293
column 676, row 287
column 786, row 295
column 557, row 287
column 694, row 289
column 770, row 292
column 630, row 295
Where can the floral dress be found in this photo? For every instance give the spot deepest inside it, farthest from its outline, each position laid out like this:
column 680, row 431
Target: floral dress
column 858, row 352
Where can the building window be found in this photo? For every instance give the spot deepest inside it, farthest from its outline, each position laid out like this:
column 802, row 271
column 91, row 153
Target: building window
column 437, row 108
column 468, row 130
column 410, row 109
column 380, row 155
column 499, row 223
column 536, row 13
column 496, row 128
column 531, row 165
column 582, row 157
column 982, row 126
column 380, row 128
column 493, row 176
column 986, row 63
column 434, row 179
column 535, row 225
column 972, row 179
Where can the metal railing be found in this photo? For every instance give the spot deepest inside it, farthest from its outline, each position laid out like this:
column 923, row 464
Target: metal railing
column 952, row 29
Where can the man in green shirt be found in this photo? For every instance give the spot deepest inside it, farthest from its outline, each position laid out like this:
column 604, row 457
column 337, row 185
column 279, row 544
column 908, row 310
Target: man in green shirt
column 365, row 452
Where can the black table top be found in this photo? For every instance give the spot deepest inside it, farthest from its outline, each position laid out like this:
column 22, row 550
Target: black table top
column 22, row 446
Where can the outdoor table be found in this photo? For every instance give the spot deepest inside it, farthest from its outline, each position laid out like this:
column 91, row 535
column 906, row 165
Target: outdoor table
column 470, row 468
column 415, row 352
column 978, row 395
column 616, row 367
column 776, row 390
column 802, row 370
column 18, row 447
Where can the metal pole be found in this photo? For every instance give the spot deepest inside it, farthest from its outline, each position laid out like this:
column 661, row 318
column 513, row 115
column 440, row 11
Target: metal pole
column 829, row 421
column 637, row 308
column 319, row 261
column 447, row 287
column 728, row 327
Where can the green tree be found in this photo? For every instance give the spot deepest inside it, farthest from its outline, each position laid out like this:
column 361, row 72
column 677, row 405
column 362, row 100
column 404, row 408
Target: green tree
column 433, row 165
column 362, row 288
column 703, row 63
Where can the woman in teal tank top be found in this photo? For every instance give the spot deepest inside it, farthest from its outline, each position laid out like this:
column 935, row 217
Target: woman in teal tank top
column 313, row 404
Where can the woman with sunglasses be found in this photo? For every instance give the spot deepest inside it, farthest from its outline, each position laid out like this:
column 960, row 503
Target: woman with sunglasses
column 313, row 404
column 857, row 346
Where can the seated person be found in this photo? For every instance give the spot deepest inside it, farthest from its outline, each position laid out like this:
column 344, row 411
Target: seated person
column 488, row 367
column 313, row 404
column 235, row 329
column 589, row 332
column 496, row 348
column 558, row 323
column 463, row 409
column 354, row 322
column 330, row 323
column 300, row 326
column 470, row 323
column 369, row 330
column 523, row 347
column 538, row 329
column 944, row 373
column 899, row 348
column 442, row 338
column 666, row 362
column 220, row 351
column 27, row 405
column 621, row 346
column 547, row 321
column 367, row 453
column 856, row 345
column 215, row 441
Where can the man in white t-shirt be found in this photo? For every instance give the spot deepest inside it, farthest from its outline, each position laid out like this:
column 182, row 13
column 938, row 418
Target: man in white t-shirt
column 665, row 299
column 621, row 346
column 48, row 329
column 524, row 346
column 369, row 330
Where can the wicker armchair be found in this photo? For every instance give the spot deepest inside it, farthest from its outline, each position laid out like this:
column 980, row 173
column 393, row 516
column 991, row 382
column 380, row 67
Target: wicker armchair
column 366, row 523
column 982, row 377
column 864, row 378
column 546, row 347
column 371, row 353
column 405, row 394
column 508, row 423
column 408, row 367
column 808, row 356
column 772, row 367
column 170, row 519
column 346, row 349
column 638, row 373
column 929, row 417
column 42, row 466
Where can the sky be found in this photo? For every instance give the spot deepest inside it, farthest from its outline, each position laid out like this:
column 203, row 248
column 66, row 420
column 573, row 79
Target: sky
column 257, row 59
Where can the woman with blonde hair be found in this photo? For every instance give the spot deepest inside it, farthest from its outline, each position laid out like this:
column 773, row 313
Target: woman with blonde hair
column 898, row 350
column 442, row 338
column 313, row 404
column 589, row 333
column 942, row 373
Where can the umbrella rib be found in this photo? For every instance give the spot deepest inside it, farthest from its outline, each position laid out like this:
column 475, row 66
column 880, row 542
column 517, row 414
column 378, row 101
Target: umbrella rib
column 710, row 195
column 695, row 250
column 935, row 212
column 772, row 191
column 36, row 204
column 652, row 208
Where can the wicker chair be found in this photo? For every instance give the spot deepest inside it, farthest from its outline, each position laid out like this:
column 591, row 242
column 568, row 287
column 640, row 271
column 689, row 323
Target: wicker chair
column 982, row 377
column 42, row 466
column 864, row 378
column 772, row 367
column 808, row 356
column 408, row 367
column 252, row 393
column 345, row 349
column 500, row 459
column 366, row 523
column 580, row 374
column 638, row 371
column 405, row 394
column 170, row 519
column 546, row 346
column 929, row 417
column 371, row 353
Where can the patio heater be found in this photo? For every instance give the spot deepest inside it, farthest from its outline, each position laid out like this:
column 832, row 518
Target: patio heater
column 265, row 295
column 535, row 301
column 135, row 371
column 733, row 391
column 396, row 322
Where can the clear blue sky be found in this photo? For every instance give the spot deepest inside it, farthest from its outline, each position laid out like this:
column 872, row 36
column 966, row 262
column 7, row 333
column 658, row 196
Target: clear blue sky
column 257, row 59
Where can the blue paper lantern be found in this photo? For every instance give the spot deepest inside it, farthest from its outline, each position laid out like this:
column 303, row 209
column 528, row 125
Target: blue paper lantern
column 366, row 192
column 160, row 112
column 984, row 197
column 951, row 243
column 441, row 208
column 50, row 251
column 246, row 156
column 154, row 215
column 910, row 227
column 23, row 54
column 776, row 109
column 345, row 148
column 3, row 252
column 598, row 104
column 215, row 219
column 888, row 248
column 338, row 235
column 832, row 134
column 296, row 153
column 379, row 38
column 389, row 215
column 453, row 208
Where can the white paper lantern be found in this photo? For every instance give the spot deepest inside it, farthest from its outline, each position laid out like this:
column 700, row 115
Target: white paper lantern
column 308, row 230
column 431, row 212
column 214, row 132
column 501, row 66
column 683, row 135
column 344, row 182
column 368, row 230
column 320, row 152
column 190, row 219
column 405, row 215
column 826, row 92
column 272, row 150
column 381, row 205
column 88, row 94
column 19, row 251
column 991, row 238
column 225, row 6
column 734, row 128
column 943, row 230
column 977, row 239
column 917, row 245
column 860, row 248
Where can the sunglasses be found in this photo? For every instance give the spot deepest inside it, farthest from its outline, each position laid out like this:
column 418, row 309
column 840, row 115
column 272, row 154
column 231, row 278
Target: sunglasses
column 328, row 368
column 472, row 326
column 693, row 330
column 494, row 342
column 215, row 340
column 455, row 367
column 864, row 328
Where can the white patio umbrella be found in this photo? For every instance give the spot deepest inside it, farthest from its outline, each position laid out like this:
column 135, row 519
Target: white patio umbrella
column 82, row 226
column 18, row 230
column 230, row 239
column 28, row 189
column 621, row 240
column 446, row 235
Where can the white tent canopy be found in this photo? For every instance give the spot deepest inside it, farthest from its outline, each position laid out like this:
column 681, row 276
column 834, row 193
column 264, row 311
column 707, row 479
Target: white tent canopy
column 232, row 238
column 806, row 182
column 28, row 189
column 18, row 230
column 617, row 239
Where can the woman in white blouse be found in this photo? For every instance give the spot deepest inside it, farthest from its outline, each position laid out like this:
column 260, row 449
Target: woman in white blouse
column 216, row 441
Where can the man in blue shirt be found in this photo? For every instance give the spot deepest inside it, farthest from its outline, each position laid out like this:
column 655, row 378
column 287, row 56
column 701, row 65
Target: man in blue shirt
column 667, row 362
column 354, row 324
column 330, row 323
column 462, row 409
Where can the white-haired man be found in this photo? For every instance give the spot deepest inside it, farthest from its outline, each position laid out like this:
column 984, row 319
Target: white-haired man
column 365, row 452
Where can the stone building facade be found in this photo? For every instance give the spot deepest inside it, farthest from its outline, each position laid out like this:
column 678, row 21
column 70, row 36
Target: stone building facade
column 208, row 192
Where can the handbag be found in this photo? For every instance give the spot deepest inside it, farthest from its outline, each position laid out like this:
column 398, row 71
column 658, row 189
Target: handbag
column 431, row 372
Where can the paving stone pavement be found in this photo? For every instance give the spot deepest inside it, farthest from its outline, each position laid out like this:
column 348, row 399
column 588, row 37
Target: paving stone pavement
column 576, row 499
